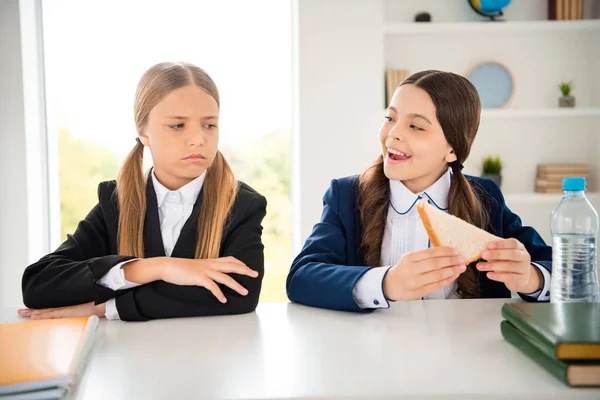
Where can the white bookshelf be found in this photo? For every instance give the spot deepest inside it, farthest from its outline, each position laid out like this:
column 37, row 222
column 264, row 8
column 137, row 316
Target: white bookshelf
column 487, row 28
column 542, row 198
column 513, row 113
column 530, row 129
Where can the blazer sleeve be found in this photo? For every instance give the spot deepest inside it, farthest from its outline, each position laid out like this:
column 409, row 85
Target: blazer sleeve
column 160, row 299
column 319, row 276
column 69, row 275
column 512, row 227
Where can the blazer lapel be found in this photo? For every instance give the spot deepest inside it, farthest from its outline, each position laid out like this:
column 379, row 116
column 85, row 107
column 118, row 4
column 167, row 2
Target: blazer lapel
column 186, row 244
column 153, row 244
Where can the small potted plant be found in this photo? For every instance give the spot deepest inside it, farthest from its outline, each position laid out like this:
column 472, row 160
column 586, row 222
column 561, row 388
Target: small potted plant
column 566, row 100
column 492, row 169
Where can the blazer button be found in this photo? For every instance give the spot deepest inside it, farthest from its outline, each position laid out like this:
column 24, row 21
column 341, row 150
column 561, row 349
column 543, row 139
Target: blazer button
column 376, row 302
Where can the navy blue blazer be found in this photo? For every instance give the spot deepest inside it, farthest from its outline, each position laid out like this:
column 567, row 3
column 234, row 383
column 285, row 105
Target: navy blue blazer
column 327, row 268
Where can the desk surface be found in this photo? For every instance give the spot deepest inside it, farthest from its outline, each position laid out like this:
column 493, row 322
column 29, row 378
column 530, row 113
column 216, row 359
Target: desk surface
column 422, row 349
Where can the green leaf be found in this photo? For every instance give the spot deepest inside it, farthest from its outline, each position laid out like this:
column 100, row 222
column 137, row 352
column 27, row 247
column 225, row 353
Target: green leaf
column 565, row 88
column 492, row 165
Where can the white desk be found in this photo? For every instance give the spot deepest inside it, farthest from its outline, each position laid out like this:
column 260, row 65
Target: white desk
column 423, row 349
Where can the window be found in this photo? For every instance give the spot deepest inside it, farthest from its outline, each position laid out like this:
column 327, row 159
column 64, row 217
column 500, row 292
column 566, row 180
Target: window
column 95, row 54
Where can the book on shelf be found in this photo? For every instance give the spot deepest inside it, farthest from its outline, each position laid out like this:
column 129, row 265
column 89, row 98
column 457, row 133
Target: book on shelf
column 550, row 176
column 393, row 78
column 562, row 168
column 562, row 10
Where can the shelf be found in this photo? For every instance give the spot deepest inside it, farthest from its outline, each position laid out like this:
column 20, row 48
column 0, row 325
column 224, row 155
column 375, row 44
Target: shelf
column 541, row 198
column 507, row 113
column 417, row 28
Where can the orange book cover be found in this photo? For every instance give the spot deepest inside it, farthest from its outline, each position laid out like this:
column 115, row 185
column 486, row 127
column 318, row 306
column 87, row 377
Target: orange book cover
column 43, row 354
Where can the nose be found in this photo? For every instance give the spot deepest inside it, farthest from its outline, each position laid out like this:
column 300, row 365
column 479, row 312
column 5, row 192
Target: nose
column 196, row 138
column 395, row 134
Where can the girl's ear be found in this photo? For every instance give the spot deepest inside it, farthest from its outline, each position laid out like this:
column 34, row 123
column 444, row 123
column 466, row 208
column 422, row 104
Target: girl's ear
column 450, row 157
column 144, row 139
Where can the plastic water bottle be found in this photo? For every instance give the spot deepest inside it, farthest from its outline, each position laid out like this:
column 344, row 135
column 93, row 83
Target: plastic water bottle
column 574, row 228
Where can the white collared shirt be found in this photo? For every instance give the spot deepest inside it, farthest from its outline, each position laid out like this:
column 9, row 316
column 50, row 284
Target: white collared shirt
column 404, row 232
column 174, row 208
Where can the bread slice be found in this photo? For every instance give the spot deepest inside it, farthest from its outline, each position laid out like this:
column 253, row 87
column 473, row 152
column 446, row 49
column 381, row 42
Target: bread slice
column 449, row 231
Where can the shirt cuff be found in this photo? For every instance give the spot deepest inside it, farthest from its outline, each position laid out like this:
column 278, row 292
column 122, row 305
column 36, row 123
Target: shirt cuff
column 111, row 312
column 368, row 290
column 115, row 278
column 544, row 293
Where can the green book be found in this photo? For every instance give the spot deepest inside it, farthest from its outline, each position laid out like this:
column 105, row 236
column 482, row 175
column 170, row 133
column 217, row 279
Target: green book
column 565, row 331
column 577, row 373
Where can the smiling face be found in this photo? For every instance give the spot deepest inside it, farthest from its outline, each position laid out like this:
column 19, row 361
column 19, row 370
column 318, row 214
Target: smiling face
column 414, row 147
column 182, row 134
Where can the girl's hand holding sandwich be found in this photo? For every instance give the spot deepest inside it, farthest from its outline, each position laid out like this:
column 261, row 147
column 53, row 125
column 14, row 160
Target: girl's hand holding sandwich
column 421, row 272
column 509, row 262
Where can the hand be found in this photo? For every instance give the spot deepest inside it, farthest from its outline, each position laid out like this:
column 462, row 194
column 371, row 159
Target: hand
column 421, row 272
column 509, row 262
column 80, row 310
column 207, row 273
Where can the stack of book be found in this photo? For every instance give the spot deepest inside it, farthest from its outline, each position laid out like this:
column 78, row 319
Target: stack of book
column 563, row 338
column 550, row 176
column 565, row 9
column 393, row 78
column 43, row 359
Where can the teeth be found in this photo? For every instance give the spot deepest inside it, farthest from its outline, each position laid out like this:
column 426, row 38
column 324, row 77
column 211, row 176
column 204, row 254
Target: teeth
column 398, row 153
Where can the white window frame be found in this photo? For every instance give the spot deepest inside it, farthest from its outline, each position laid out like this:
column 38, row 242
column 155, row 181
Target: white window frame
column 43, row 189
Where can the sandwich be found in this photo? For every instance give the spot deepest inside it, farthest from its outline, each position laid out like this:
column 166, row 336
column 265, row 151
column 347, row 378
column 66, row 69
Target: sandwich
column 445, row 230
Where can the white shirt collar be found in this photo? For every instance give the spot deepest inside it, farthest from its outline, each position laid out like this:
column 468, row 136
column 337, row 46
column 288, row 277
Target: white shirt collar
column 186, row 194
column 403, row 200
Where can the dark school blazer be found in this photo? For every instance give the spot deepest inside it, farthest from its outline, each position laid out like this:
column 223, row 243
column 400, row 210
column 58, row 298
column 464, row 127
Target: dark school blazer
column 326, row 270
column 69, row 275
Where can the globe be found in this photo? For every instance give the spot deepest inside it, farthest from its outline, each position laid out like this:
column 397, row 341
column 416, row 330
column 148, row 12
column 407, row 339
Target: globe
column 489, row 8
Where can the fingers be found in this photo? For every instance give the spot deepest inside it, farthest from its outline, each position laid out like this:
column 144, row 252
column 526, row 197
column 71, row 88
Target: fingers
column 505, row 254
column 231, row 265
column 432, row 253
column 501, row 266
column 440, row 275
column 432, row 264
column 42, row 311
column 432, row 287
column 505, row 277
column 229, row 282
column 24, row 312
column 231, row 260
column 506, row 244
column 49, row 313
column 214, row 289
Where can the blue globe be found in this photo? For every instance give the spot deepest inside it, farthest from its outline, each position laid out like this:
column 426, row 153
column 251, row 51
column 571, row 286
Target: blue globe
column 489, row 8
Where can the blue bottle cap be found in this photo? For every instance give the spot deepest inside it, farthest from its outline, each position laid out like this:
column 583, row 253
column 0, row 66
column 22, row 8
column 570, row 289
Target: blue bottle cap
column 573, row 184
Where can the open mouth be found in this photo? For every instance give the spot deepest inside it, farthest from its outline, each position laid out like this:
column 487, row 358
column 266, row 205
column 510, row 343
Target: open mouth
column 397, row 155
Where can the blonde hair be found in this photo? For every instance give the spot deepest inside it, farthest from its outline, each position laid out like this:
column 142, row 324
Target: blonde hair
column 220, row 186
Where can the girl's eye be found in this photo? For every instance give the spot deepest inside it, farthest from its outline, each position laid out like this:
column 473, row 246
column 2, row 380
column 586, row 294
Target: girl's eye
column 415, row 128
column 176, row 127
column 210, row 126
column 388, row 118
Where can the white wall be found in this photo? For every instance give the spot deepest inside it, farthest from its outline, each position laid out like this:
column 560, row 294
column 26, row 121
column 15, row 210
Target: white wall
column 338, row 81
column 13, row 191
column 342, row 52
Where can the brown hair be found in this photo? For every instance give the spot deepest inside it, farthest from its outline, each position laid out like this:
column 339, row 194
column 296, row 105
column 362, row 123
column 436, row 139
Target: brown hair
column 220, row 186
column 458, row 108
